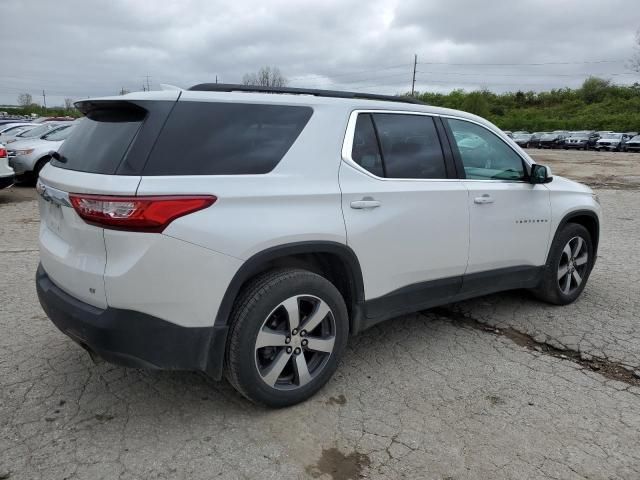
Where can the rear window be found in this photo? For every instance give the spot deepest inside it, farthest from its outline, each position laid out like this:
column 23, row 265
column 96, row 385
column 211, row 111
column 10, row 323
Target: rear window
column 100, row 140
column 203, row 138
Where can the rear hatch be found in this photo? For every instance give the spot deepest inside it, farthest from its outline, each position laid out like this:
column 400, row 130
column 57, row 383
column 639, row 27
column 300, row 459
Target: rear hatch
column 104, row 155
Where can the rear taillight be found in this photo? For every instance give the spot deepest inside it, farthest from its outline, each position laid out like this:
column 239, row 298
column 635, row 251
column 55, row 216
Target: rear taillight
column 3, row 152
column 136, row 214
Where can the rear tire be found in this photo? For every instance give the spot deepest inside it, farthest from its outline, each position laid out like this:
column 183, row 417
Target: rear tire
column 568, row 267
column 271, row 358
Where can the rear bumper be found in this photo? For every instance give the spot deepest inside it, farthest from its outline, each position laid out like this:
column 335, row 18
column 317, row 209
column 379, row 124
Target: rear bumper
column 130, row 338
column 6, row 181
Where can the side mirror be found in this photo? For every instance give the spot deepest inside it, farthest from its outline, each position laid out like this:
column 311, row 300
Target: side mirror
column 540, row 174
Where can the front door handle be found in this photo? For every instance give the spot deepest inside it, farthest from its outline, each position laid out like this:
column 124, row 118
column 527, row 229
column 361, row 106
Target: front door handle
column 484, row 199
column 366, row 202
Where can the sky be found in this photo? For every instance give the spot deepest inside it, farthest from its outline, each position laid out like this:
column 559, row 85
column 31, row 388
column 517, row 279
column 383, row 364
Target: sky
column 87, row 48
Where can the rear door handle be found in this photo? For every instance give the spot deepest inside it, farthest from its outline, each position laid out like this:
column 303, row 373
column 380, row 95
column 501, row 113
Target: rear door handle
column 484, row 199
column 365, row 203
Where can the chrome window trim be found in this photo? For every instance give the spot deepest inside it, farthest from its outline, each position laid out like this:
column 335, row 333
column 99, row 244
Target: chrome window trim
column 347, row 145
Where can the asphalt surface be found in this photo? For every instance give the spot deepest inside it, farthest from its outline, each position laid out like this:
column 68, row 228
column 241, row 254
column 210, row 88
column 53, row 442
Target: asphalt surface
column 500, row 387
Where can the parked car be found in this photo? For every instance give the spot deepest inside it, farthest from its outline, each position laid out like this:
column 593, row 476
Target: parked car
column 632, row 145
column 28, row 156
column 216, row 229
column 10, row 130
column 613, row 142
column 581, row 140
column 523, row 139
column 6, row 121
column 53, row 119
column 6, row 172
column 552, row 140
column 508, row 133
column 37, row 132
column 535, row 139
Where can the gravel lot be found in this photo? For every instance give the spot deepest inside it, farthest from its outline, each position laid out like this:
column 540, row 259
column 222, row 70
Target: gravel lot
column 498, row 387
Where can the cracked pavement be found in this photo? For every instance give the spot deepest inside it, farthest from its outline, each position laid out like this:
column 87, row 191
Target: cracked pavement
column 422, row 396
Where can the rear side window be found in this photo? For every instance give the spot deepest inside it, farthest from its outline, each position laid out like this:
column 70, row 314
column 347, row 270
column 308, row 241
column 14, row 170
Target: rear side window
column 100, row 140
column 204, row 138
column 396, row 145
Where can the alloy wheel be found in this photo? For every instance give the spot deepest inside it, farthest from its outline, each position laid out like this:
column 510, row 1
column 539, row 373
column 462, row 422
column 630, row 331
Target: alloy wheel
column 573, row 265
column 295, row 342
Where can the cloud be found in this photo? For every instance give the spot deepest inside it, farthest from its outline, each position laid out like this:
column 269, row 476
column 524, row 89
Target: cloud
column 81, row 48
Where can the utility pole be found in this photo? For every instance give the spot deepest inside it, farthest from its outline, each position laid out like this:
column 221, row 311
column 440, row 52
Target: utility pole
column 44, row 99
column 413, row 83
column 216, row 78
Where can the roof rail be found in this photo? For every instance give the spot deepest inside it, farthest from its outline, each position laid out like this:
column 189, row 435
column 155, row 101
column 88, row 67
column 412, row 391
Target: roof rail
column 230, row 87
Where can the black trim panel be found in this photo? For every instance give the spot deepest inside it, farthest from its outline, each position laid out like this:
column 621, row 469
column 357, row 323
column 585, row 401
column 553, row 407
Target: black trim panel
column 256, row 264
column 483, row 283
column 581, row 213
column 421, row 296
column 130, row 338
column 6, row 181
column 412, row 297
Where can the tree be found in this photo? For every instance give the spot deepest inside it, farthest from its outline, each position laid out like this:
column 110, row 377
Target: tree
column 594, row 89
column 265, row 77
column 68, row 103
column 476, row 103
column 25, row 99
column 124, row 91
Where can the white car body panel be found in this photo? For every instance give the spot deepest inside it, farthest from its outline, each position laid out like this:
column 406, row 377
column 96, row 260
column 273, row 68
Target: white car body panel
column 5, row 169
column 189, row 291
column 71, row 251
column 502, row 233
column 410, row 237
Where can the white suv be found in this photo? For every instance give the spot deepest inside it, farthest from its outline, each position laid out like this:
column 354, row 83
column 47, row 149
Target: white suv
column 248, row 234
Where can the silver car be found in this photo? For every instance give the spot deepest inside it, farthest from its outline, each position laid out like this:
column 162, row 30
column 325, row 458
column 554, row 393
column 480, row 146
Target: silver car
column 30, row 155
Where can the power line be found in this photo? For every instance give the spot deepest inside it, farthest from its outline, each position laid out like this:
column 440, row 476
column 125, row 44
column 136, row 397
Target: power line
column 523, row 64
column 582, row 74
column 332, row 75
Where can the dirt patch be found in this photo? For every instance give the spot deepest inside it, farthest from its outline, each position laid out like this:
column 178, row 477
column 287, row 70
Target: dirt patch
column 495, row 400
column 613, row 170
column 606, row 368
column 339, row 466
column 339, row 400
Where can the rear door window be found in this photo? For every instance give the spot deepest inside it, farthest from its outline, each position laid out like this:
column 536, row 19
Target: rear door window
column 395, row 145
column 204, row 138
column 410, row 146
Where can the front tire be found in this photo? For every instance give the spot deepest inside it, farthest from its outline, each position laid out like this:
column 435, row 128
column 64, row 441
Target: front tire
column 289, row 329
column 568, row 267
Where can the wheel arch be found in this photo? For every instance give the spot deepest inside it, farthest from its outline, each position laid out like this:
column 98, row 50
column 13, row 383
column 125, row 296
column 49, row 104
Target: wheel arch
column 588, row 219
column 40, row 163
column 336, row 261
